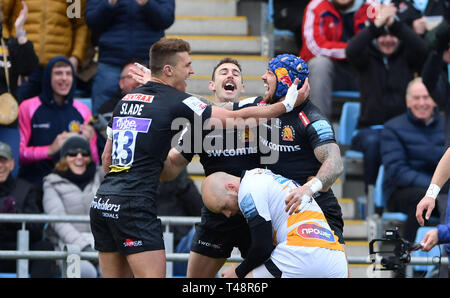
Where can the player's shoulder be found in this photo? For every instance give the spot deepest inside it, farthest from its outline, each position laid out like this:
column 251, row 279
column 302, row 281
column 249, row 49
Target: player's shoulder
column 249, row 101
column 307, row 114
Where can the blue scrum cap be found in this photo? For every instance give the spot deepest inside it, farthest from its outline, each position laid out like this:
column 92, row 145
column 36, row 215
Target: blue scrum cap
column 287, row 68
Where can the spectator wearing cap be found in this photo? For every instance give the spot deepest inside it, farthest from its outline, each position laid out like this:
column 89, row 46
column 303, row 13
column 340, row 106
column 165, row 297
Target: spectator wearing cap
column 20, row 196
column 69, row 190
column 385, row 55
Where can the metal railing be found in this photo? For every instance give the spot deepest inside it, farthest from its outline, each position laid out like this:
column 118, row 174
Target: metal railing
column 72, row 254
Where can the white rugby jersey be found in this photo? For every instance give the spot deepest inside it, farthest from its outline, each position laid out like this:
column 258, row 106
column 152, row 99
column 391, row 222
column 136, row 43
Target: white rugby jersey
column 263, row 193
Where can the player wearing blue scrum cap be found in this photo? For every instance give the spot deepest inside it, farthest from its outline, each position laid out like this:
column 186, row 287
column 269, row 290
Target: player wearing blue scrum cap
column 306, row 142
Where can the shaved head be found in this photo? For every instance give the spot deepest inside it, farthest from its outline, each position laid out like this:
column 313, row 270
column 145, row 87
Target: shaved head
column 219, row 193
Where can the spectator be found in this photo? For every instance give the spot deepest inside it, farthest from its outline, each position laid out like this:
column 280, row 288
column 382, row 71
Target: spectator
column 126, row 29
column 69, row 190
column 288, row 15
column 125, row 85
column 385, row 55
column 328, row 25
column 19, row 196
column 422, row 16
column 411, row 147
column 65, row 31
column 20, row 60
column 45, row 121
column 435, row 73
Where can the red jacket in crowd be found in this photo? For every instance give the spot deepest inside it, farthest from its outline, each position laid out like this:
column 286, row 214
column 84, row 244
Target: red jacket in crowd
column 323, row 29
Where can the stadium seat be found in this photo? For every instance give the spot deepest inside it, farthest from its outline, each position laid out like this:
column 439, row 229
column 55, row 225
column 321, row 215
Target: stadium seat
column 434, row 252
column 87, row 101
column 380, row 200
column 347, row 127
column 11, row 136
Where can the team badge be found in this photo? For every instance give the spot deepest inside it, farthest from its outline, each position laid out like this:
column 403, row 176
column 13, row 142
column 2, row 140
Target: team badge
column 288, row 133
column 74, row 126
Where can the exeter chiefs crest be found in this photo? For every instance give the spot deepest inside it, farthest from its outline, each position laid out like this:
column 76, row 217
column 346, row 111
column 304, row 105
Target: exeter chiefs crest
column 74, row 126
column 288, row 133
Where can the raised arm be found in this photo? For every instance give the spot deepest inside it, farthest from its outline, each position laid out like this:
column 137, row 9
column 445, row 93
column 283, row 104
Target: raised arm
column 440, row 176
column 293, row 98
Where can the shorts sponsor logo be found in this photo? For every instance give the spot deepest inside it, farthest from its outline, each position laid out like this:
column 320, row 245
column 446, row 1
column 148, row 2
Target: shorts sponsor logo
column 132, row 243
column 105, row 205
column 209, row 244
column 314, row 231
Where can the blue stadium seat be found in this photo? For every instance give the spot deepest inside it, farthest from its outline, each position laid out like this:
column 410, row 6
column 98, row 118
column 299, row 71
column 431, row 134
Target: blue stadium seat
column 434, row 252
column 11, row 136
column 87, row 101
column 380, row 200
column 346, row 94
column 347, row 127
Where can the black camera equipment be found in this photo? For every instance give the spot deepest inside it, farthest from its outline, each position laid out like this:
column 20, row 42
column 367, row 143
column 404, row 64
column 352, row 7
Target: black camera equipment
column 394, row 250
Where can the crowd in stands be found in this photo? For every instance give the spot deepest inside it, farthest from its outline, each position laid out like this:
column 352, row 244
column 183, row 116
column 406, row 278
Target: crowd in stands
column 395, row 55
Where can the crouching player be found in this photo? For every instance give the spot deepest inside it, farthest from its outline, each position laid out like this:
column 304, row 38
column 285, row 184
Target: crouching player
column 283, row 245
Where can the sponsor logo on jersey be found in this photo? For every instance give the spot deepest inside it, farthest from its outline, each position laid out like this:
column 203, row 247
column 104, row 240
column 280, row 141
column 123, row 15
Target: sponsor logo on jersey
column 195, row 105
column 304, row 118
column 139, row 97
column 314, row 231
column 247, row 206
column 323, row 129
column 278, row 147
column 131, row 124
column 232, row 152
column 288, row 133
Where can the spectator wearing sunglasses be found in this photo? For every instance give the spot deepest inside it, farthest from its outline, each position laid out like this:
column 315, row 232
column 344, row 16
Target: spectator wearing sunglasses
column 69, row 189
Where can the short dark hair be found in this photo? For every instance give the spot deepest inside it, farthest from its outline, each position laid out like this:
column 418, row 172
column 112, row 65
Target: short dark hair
column 223, row 61
column 61, row 63
column 163, row 52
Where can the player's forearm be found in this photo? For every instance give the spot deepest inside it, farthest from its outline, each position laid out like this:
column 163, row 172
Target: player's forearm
column 332, row 166
column 442, row 172
column 261, row 248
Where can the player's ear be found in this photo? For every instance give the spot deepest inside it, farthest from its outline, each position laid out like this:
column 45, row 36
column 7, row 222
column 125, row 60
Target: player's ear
column 211, row 86
column 167, row 69
column 231, row 187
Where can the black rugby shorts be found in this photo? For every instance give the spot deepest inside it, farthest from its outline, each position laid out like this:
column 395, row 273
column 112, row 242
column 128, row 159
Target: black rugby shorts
column 124, row 224
column 216, row 235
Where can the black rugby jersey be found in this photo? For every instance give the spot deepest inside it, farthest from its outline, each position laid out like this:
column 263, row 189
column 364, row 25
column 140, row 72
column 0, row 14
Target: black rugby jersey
column 300, row 132
column 225, row 150
column 145, row 125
